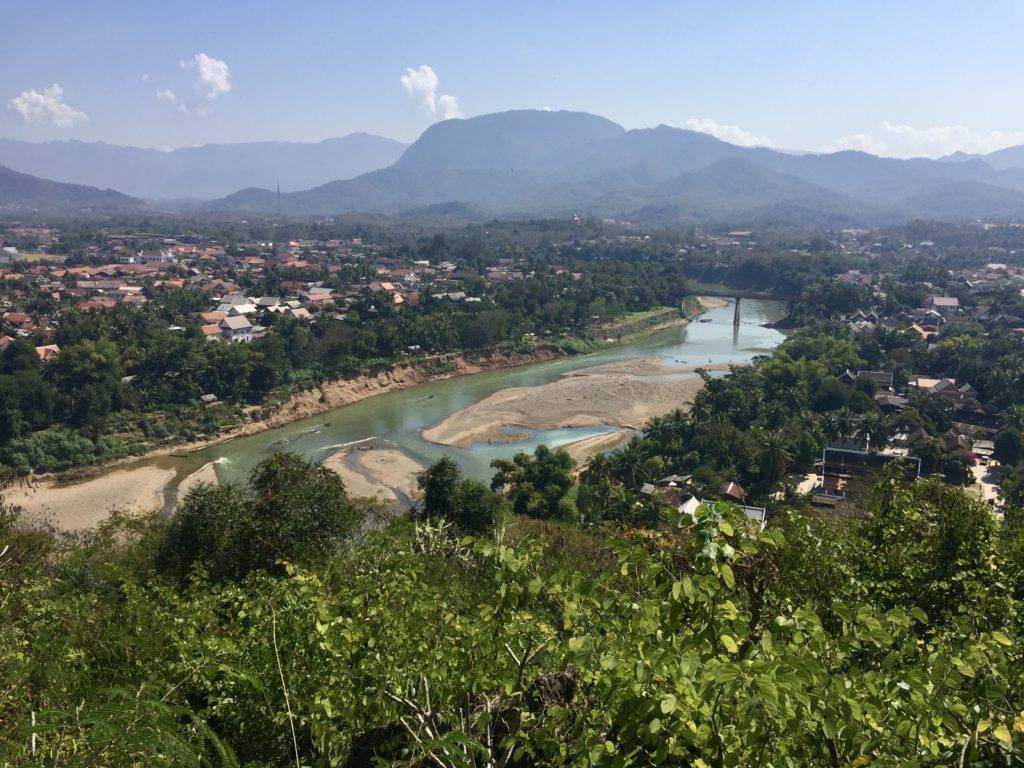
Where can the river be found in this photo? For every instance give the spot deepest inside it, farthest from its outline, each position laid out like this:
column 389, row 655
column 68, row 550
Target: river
column 399, row 417
column 396, row 420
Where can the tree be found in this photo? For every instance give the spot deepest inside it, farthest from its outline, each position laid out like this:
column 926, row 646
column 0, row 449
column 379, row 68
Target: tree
column 87, row 376
column 873, row 430
column 537, row 485
column 634, row 463
column 438, row 483
column 291, row 511
column 775, row 457
column 956, row 467
column 469, row 504
column 1009, row 447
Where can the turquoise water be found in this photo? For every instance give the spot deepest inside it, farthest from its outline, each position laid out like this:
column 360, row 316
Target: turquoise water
column 399, row 417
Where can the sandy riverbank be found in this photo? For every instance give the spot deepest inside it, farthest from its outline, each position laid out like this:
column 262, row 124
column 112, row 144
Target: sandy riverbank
column 583, row 450
column 82, row 505
column 384, row 473
column 625, row 393
column 712, row 302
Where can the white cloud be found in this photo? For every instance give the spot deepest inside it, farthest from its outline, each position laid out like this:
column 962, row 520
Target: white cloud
column 214, row 77
column 167, row 95
column 421, row 83
column 47, row 107
column 900, row 140
column 449, row 107
column 730, row 133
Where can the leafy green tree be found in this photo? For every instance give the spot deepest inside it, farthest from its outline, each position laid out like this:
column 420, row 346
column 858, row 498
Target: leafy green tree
column 291, row 511
column 88, row 377
column 537, row 485
column 469, row 504
column 438, row 484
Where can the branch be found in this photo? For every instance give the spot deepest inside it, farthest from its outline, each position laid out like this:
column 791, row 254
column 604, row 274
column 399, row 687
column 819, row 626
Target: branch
column 284, row 686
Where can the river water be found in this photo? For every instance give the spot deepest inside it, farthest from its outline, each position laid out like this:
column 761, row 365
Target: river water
column 400, row 417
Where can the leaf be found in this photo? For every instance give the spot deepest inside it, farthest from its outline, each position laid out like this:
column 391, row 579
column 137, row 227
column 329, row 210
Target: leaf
column 727, row 576
column 919, row 614
column 575, row 643
column 1002, row 733
column 668, row 705
column 655, row 725
column 963, row 667
column 1001, row 638
column 729, row 643
column 726, row 527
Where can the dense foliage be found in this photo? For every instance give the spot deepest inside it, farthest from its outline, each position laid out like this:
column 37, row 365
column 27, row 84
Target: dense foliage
column 891, row 640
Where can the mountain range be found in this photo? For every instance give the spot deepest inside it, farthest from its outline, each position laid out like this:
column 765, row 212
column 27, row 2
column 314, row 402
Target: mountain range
column 533, row 162
column 201, row 173
column 558, row 163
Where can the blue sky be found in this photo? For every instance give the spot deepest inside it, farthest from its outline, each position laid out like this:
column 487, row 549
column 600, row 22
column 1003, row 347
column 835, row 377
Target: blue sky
column 899, row 78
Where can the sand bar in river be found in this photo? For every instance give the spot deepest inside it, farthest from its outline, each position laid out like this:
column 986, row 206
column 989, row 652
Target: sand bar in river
column 75, row 507
column 583, row 399
column 384, row 473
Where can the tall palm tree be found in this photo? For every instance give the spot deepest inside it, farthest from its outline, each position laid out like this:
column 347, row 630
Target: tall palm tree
column 775, row 456
column 830, row 425
column 874, row 430
column 633, row 464
column 845, row 421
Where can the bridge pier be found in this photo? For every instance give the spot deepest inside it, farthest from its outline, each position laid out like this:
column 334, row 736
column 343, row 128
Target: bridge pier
column 736, row 315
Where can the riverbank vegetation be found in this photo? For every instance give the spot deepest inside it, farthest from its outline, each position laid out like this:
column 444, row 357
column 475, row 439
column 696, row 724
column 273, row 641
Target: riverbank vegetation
column 240, row 639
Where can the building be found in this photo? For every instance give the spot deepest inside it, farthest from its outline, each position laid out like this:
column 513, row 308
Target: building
column 841, row 467
column 48, row 352
column 237, row 328
column 944, row 304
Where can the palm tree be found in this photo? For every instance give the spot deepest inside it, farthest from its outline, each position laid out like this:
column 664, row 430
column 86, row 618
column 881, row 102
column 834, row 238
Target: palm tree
column 874, row 430
column 775, row 455
column 1014, row 417
column 633, row 464
column 845, row 421
column 830, row 425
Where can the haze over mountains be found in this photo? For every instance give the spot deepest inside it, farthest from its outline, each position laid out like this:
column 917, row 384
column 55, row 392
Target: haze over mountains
column 560, row 163
column 204, row 172
column 21, row 193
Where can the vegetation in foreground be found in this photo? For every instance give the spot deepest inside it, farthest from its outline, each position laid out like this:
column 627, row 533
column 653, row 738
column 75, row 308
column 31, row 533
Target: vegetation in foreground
column 888, row 640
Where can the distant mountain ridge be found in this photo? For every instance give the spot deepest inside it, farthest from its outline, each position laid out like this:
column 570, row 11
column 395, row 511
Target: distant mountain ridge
column 530, row 162
column 554, row 163
column 25, row 194
column 204, row 172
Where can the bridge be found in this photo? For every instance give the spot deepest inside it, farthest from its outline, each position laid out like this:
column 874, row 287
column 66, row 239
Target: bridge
column 725, row 292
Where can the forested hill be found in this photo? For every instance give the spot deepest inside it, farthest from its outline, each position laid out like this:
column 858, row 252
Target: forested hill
column 541, row 162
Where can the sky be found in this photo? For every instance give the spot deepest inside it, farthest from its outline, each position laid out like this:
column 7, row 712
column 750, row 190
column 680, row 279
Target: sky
column 900, row 78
